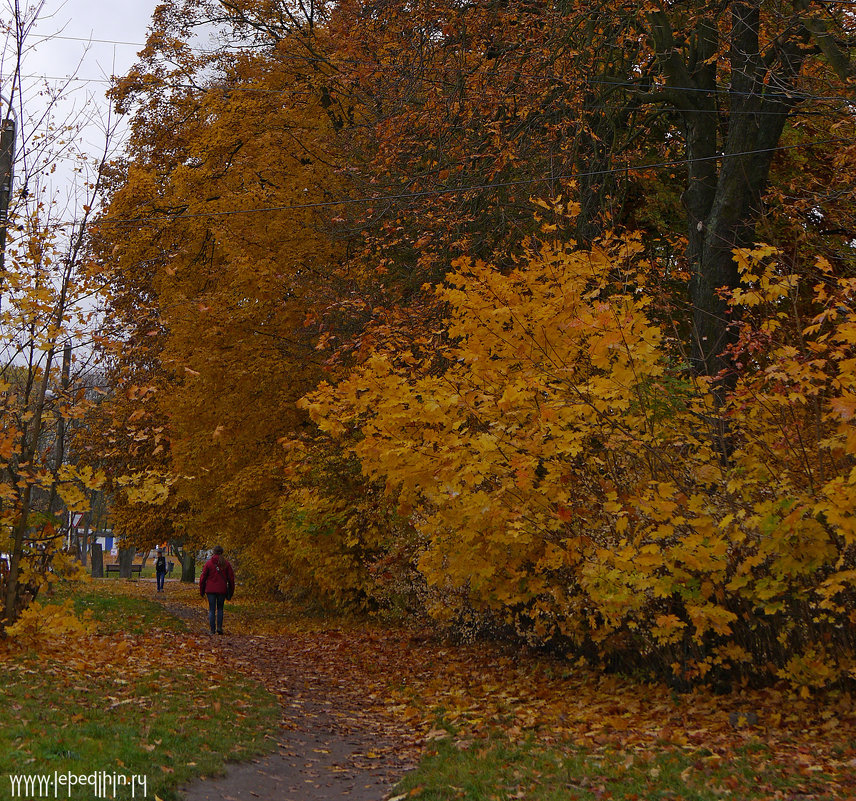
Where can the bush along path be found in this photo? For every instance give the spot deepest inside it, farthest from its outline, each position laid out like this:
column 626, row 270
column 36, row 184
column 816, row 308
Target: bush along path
column 363, row 704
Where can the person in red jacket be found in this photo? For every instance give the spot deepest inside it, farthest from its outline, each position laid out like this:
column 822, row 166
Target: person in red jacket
column 218, row 583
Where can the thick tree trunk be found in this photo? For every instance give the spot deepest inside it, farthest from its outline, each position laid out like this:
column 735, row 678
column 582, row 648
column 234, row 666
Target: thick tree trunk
column 97, row 561
column 731, row 136
column 126, row 559
column 723, row 197
column 188, row 567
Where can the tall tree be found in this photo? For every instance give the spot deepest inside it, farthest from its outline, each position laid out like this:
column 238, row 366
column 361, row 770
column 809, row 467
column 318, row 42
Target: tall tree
column 220, row 253
column 469, row 110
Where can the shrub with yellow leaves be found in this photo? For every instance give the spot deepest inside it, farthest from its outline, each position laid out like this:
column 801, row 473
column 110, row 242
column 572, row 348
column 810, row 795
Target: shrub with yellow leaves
column 39, row 623
column 565, row 470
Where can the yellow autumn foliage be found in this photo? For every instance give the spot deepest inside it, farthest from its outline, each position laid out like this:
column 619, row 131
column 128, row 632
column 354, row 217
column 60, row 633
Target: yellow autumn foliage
column 49, row 622
column 564, row 468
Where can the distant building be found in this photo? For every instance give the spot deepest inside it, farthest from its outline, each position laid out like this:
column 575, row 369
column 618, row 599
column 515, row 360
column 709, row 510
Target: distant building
column 103, row 536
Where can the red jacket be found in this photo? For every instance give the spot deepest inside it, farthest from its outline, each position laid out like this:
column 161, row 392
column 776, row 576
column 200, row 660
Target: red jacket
column 217, row 576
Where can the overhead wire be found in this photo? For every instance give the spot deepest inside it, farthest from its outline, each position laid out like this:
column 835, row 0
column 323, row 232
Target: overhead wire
column 720, row 91
column 724, row 90
column 456, row 190
column 460, row 189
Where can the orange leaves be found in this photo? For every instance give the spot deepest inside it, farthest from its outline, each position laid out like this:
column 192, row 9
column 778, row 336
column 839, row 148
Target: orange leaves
column 710, row 617
column 668, row 628
column 545, row 454
column 396, row 680
column 147, row 487
column 543, row 366
column 555, row 467
column 844, row 406
column 232, row 300
column 76, row 482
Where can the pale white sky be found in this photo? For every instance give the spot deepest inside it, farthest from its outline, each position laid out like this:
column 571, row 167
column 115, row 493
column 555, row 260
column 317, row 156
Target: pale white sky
column 88, row 40
column 110, row 21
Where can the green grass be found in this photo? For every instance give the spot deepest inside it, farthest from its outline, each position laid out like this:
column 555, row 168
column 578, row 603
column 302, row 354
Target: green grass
column 170, row 724
column 165, row 728
column 120, row 613
column 496, row 769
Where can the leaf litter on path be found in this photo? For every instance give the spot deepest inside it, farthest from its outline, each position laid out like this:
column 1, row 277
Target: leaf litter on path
column 383, row 691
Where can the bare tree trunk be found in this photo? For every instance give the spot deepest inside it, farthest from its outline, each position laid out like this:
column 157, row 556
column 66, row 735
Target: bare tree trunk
column 728, row 164
column 126, row 559
column 188, row 567
column 97, row 561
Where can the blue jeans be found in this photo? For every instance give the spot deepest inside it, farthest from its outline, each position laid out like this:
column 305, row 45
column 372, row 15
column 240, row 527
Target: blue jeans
column 160, row 576
column 215, row 605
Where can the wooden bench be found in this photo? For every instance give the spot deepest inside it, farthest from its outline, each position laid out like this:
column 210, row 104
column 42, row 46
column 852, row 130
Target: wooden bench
column 138, row 569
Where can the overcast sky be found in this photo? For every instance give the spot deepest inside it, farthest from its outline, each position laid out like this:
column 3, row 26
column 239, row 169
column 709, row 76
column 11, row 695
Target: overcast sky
column 105, row 22
column 88, row 40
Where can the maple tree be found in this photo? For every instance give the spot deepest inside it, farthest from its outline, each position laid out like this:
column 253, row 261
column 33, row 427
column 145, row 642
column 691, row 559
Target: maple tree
column 583, row 424
column 46, row 287
column 667, row 115
column 713, row 88
column 561, row 473
column 213, row 309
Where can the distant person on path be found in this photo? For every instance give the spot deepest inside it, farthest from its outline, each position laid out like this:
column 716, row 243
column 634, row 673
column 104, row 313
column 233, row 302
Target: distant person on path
column 160, row 569
column 218, row 583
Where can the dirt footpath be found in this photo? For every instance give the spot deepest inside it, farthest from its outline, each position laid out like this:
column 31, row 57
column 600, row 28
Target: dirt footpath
column 334, row 744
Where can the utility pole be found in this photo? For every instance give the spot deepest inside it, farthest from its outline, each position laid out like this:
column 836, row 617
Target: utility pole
column 59, row 441
column 7, row 155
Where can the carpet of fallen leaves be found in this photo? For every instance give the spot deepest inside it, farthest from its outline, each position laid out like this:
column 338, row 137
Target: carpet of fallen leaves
column 131, row 655
column 402, row 686
column 479, row 688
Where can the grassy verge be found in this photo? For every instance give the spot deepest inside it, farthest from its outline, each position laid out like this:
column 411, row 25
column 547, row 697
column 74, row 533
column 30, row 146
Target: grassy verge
column 161, row 728
column 115, row 612
column 496, row 768
column 156, row 704
column 513, row 726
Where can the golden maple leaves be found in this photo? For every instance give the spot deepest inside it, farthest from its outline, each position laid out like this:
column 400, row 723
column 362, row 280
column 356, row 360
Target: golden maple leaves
column 544, row 453
column 560, row 393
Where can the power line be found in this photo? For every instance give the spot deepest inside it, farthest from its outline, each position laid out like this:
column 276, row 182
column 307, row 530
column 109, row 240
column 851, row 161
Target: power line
column 89, row 40
column 722, row 91
column 456, row 190
column 726, row 90
column 227, row 89
column 389, row 68
column 65, row 79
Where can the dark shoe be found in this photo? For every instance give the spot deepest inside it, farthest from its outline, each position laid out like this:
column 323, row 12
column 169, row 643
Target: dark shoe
column 220, row 632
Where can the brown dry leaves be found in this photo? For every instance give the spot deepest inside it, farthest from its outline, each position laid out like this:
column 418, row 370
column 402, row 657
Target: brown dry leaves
column 128, row 656
column 392, row 677
column 396, row 685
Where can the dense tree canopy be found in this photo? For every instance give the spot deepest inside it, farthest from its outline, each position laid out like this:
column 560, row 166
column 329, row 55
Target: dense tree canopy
column 528, row 314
